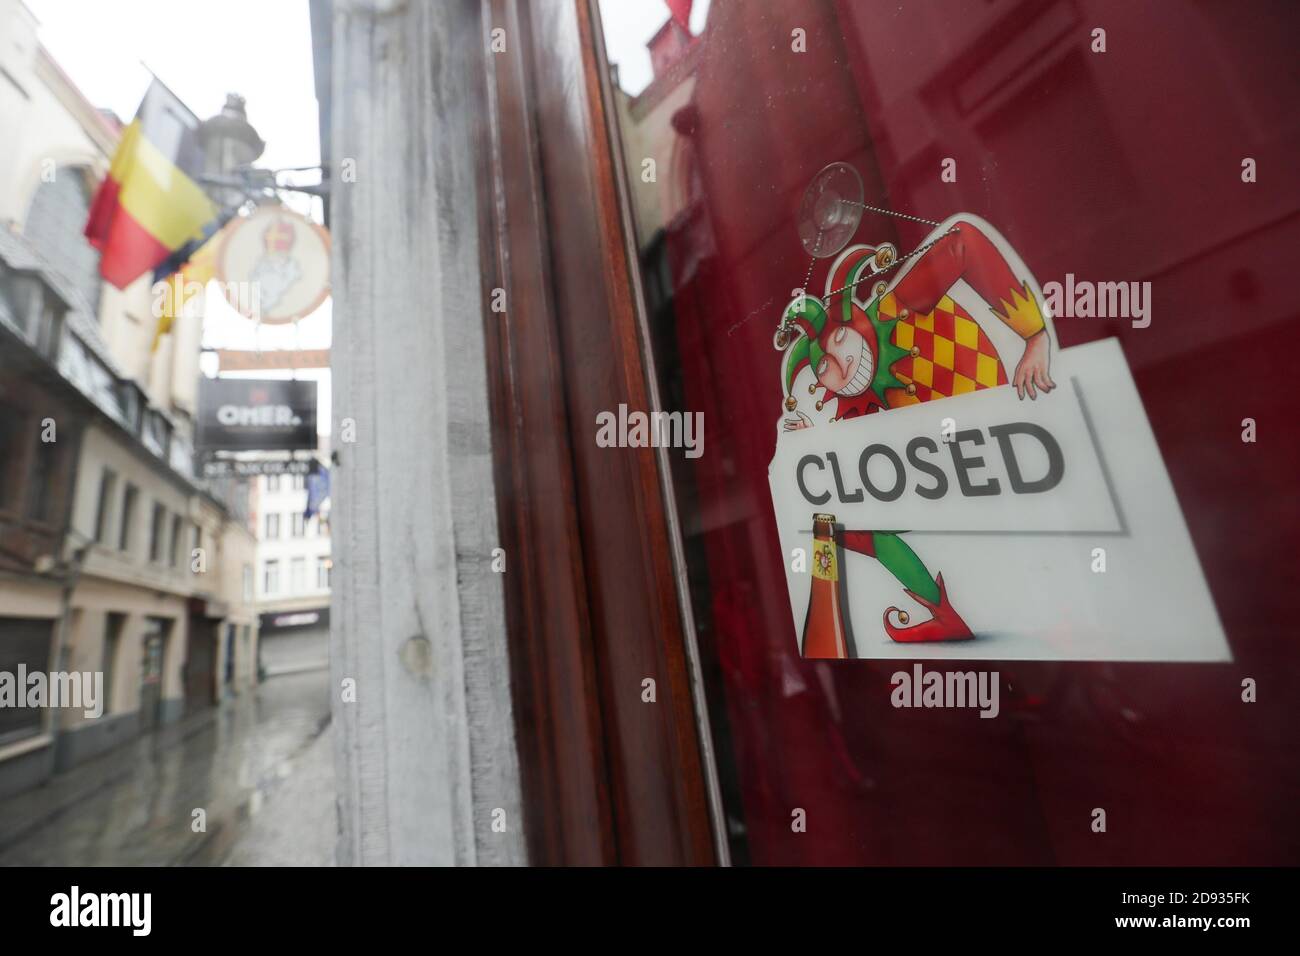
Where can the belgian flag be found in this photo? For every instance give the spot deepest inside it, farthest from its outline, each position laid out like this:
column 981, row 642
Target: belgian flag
column 149, row 213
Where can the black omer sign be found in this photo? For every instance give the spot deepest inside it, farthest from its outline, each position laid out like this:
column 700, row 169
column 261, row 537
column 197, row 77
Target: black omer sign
column 243, row 414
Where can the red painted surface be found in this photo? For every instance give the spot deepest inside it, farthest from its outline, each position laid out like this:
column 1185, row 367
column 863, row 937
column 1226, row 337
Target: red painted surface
column 1116, row 166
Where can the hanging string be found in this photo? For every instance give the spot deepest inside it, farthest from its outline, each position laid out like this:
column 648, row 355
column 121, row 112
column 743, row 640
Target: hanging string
column 897, row 262
column 893, row 265
column 889, row 212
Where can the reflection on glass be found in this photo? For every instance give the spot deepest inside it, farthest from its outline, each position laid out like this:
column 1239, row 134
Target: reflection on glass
column 1119, row 177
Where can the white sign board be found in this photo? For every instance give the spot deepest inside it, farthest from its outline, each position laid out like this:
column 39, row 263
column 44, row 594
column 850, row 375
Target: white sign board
column 274, row 265
column 1052, row 522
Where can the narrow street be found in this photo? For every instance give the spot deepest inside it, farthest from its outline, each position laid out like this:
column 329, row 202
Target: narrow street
column 260, row 767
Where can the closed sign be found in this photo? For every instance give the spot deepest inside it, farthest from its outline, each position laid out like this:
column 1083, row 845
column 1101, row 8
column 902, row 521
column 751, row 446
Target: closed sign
column 1050, row 527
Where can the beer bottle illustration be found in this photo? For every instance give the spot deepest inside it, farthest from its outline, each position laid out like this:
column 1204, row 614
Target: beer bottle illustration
column 824, row 630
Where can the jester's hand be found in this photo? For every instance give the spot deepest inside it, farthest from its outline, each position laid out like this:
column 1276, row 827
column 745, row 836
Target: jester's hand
column 794, row 424
column 1032, row 369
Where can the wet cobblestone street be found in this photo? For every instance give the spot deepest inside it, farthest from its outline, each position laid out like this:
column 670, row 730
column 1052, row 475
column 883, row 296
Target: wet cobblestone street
column 260, row 767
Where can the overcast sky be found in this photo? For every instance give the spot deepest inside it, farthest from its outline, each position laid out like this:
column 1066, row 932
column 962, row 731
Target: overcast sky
column 202, row 49
column 629, row 25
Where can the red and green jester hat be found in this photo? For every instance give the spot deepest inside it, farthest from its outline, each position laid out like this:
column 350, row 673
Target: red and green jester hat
column 865, row 391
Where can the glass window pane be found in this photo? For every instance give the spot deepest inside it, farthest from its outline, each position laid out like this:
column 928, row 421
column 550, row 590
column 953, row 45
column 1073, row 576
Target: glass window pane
column 935, row 210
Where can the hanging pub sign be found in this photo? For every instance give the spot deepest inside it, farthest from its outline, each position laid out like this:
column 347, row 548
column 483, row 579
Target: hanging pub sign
column 245, row 414
column 274, row 265
column 1012, row 504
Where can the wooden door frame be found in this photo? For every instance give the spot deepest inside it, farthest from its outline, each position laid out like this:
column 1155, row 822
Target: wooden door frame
column 594, row 590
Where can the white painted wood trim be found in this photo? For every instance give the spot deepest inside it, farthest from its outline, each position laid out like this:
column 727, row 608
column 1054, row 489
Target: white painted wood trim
column 427, row 753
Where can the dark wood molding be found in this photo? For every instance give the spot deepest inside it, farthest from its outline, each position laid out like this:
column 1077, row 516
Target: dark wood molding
column 592, row 601
column 557, row 714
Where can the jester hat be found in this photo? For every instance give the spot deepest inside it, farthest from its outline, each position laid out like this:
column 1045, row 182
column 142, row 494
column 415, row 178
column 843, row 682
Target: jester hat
column 811, row 322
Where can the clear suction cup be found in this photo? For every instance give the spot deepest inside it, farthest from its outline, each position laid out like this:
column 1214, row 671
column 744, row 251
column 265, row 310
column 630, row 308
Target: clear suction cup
column 831, row 210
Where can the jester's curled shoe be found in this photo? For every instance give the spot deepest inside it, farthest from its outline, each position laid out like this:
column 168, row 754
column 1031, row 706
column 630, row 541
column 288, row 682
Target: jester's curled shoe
column 945, row 625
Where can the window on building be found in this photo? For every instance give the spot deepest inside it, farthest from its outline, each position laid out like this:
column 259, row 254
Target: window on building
column 25, row 642
column 55, row 222
column 177, row 526
column 107, row 487
column 43, row 479
column 114, row 625
column 153, row 660
column 1057, row 148
column 323, row 566
column 11, row 428
column 272, row 526
column 248, row 582
column 196, row 539
column 228, row 656
column 129, row 495
column 270, row 577
column 157, row 526
column 297, row 575
column 299, row 524
column 272, row 483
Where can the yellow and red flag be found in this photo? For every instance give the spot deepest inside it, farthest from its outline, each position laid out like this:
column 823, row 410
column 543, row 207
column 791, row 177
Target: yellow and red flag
column 149, row 213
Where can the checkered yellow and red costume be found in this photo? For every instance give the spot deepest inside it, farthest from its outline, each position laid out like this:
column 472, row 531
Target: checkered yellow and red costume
column 947, row 353
column 953, row 355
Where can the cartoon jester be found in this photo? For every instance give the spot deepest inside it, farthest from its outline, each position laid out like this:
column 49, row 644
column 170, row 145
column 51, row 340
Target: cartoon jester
column 875, row 345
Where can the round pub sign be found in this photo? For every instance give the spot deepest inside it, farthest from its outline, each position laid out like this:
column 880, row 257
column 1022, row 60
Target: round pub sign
column 274, row 265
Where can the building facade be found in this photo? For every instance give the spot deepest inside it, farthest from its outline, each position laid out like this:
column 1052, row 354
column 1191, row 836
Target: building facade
column 117, row 560
column 294, row 570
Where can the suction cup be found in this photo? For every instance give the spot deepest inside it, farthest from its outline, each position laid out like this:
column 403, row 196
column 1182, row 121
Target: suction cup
column 831, row 210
